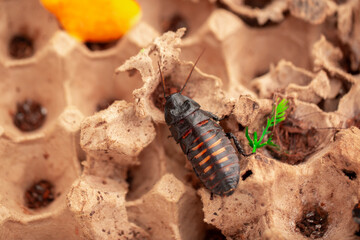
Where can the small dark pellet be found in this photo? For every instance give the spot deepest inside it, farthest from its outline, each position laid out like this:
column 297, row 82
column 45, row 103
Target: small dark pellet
column 100, row 46
column 39, row 195
column 174, row 23
column 314, row 222
column 21, row 47
column 29, row 115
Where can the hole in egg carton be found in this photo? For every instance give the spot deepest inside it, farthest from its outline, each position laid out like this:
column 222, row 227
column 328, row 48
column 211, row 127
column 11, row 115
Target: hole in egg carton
column 172, row 15
column 330, row 105
column 23, row 36
column 247, row 174
column 162, row 156
column 258, row 13
column 33, row 96
column 350, row 174
column 21, row 46
column 213, row 233
column 36, row 176
column 253, row 22
column 295, row 144
column 100, row 46
column 174, row 23
column 349, row 62
column 314, row 221
column 356, row 215
column 350, row 59
column 257, row 3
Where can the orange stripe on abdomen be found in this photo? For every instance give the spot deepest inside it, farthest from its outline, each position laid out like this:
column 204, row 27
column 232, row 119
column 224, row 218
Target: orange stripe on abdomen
column 208, row 168
column 224, row 159
column 209, row 138
column 200, row 153
column 204, row 160
column 202, row 123
column 215, row 143
column 197, row 139
column 187, row 133
column 217, row 152
column 197, row 147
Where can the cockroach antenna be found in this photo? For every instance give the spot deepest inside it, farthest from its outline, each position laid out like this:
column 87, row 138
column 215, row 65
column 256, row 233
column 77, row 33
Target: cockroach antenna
column 192, row 69
column 162, row 79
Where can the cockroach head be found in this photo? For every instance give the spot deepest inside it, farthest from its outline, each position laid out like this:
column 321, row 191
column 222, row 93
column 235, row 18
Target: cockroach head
column 178, row 107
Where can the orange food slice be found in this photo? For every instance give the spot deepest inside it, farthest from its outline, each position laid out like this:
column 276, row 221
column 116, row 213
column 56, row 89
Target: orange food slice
column 95, row 20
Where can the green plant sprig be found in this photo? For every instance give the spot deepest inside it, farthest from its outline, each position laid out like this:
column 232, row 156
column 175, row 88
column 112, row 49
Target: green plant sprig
column 277, row 116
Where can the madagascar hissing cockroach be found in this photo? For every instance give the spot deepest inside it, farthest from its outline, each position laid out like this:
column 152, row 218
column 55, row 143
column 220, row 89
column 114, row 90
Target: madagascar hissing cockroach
column 204, row 141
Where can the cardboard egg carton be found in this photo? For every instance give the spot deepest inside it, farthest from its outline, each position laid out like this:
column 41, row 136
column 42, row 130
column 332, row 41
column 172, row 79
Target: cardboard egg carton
column 115, row 173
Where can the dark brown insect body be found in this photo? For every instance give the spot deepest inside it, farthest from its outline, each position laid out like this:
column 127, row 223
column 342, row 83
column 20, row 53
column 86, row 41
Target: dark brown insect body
column 204, row 142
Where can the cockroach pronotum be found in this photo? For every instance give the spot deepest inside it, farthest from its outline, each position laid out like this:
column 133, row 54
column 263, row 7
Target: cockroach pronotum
column 204, row 141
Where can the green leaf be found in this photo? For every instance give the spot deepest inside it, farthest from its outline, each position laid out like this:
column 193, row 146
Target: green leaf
column 251, row 142
column 263, row 144
column 282, row 114
column 270, row 142
column 254, row 149
column 282, row 107
column 273, row 145
column 277, row 116
column 255, row 137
